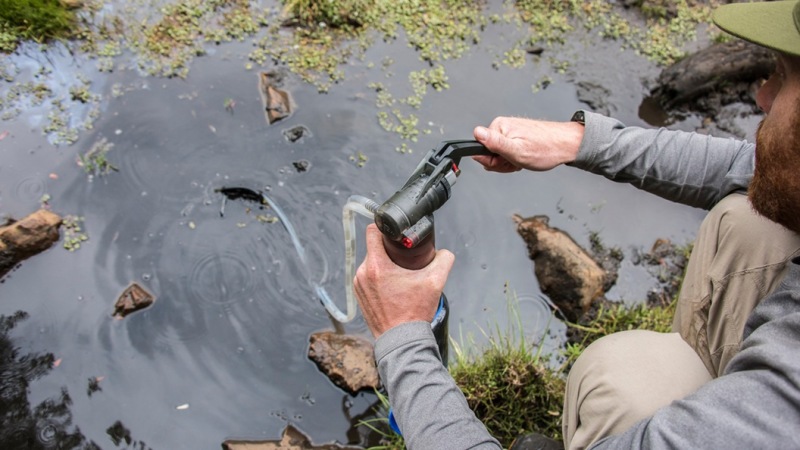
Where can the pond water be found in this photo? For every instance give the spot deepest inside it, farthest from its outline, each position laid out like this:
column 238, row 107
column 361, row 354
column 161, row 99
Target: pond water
column 222, row 351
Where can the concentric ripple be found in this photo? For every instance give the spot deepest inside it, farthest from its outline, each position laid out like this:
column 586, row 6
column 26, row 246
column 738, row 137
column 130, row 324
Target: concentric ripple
column 222, row 278
column 30, row 189
column 535, row 314
column 47, row 433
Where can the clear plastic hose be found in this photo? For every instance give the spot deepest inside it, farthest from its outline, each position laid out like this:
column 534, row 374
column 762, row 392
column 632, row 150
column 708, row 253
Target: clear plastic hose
column 366, row 207
column 355, row 204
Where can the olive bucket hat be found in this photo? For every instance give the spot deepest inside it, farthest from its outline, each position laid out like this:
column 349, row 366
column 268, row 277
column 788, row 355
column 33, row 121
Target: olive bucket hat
column 775, row 25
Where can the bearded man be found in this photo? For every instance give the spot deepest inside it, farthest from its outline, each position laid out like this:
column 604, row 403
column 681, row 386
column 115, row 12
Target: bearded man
column 729, row 375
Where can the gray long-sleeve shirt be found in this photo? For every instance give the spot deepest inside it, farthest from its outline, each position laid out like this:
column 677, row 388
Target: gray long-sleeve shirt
column 689, row 168
column 755, row 404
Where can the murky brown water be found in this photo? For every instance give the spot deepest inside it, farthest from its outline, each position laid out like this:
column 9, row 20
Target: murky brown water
column 222, row 352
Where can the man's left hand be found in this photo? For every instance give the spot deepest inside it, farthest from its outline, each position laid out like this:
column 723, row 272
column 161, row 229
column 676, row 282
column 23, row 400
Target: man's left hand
column 390, row 295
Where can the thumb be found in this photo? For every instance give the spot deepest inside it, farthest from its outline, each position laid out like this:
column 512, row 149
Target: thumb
column 442, row 264
column 491, row 139
column 374, row 241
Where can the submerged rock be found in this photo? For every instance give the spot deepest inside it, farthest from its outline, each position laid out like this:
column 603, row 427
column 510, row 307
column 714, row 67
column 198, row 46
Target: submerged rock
column 133, row 298
column 301, row 165
column 566, row 272
column 292, row 439
column 277, row 102
column 24, row 238
column 348, row 361
column 297, row 133
column 236, row 193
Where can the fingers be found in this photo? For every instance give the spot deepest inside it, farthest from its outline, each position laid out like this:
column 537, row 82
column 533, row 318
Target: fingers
column 496, row 163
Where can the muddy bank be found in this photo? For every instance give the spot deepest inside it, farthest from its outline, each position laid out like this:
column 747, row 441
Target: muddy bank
column 576, row 279
column 717, row 76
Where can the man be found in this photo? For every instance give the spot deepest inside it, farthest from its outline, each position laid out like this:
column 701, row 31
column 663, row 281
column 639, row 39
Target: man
column 729, row 377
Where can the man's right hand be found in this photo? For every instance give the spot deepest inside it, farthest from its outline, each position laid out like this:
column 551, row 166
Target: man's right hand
column 528, row 144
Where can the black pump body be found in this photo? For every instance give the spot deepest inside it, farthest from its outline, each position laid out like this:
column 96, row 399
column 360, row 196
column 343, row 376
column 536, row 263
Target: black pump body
column 407, row 216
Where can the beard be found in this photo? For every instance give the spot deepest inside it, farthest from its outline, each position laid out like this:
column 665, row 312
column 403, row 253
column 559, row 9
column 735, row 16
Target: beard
column 774, row 191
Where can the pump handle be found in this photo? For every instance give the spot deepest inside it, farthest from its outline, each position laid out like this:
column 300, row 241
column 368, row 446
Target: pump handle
column 455, row 150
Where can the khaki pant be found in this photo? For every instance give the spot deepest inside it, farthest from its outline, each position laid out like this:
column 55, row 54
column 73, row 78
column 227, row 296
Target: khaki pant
column 738, row 259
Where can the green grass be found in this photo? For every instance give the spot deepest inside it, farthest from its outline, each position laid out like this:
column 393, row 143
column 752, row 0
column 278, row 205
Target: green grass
column 37, row 20
column 380, row 426
column 611, row 318
column 513, row 388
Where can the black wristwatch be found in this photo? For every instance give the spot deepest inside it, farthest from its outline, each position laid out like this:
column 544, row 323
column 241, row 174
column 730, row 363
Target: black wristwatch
column 579, row 117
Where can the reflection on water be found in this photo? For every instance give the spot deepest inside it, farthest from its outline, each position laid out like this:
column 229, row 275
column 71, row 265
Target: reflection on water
column 121, row 436
column 23, row 426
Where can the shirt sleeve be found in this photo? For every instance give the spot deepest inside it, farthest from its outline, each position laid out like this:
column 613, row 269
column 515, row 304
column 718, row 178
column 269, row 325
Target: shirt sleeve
column 429, row 408
column 688, row 168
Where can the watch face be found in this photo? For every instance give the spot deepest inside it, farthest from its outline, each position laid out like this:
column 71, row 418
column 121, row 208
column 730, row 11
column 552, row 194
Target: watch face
column 579, row 117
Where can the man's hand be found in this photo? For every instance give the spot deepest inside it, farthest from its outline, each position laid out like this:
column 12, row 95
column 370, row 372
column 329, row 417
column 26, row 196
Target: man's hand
column 390, row 295
column 528, row 144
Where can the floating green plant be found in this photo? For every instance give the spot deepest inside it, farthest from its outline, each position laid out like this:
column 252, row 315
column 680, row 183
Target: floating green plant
column 95, row 161
column 73, row 233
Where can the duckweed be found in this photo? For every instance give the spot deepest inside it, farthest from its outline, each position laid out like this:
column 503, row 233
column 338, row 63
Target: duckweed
column 73, row 233
column 321, row 37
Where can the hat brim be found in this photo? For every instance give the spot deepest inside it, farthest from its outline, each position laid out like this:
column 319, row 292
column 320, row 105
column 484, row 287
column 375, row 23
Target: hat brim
column 775, row 25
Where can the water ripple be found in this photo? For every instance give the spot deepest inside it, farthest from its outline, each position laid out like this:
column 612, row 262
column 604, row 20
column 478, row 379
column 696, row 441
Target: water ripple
column 47, row 433
column 31, row 188
column 222, row 278
column 535, row 314
column 145, row 166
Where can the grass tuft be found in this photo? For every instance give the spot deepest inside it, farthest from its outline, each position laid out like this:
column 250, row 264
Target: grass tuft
column 512, row 391
column 37, row 20
column 511, row 386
